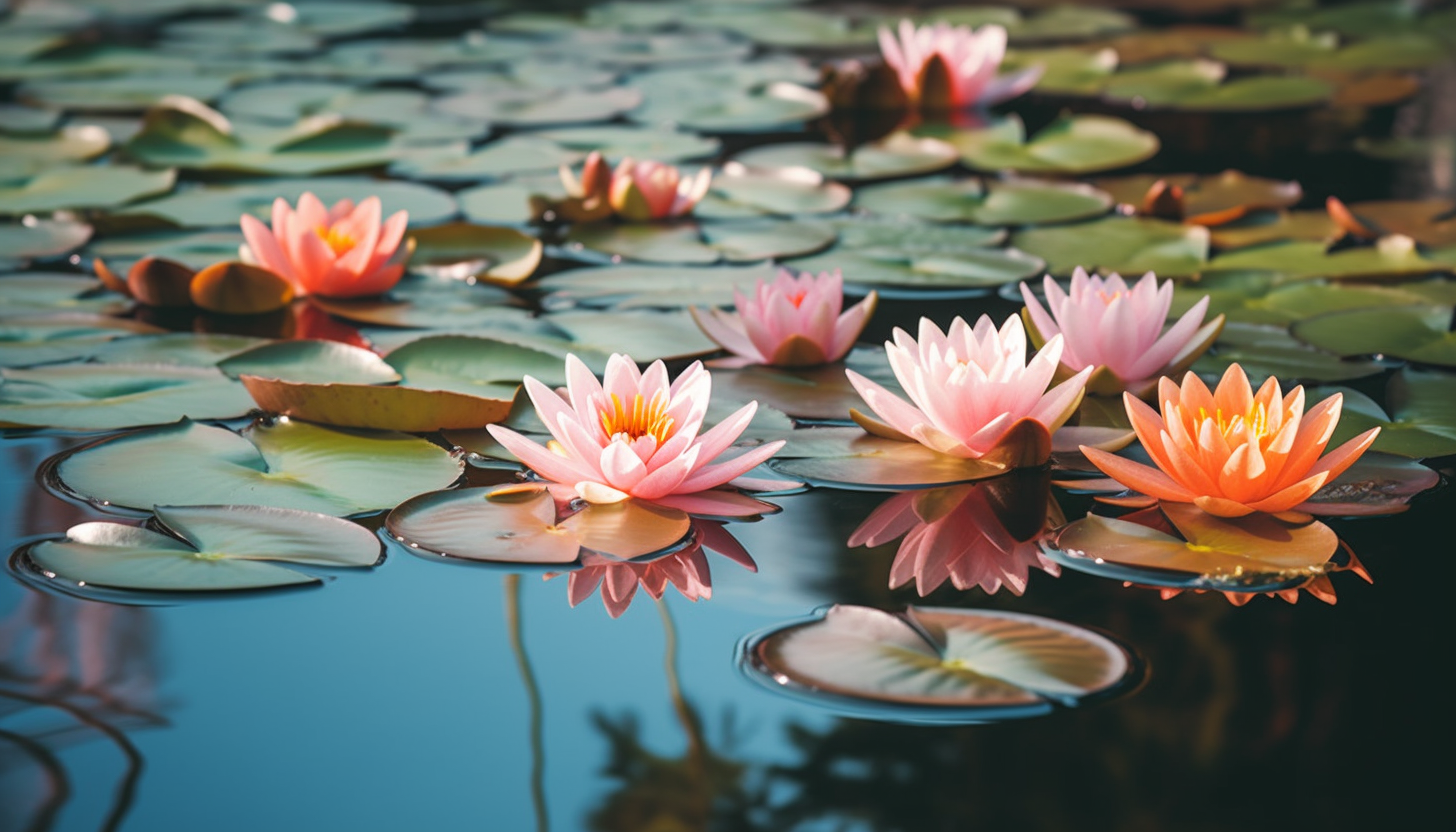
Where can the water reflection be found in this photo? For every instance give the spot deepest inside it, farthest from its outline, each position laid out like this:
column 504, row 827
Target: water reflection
column 983, row 534
column 71, row 671
column 687, row 570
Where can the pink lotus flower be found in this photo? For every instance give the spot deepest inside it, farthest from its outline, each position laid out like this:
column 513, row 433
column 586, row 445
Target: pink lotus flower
column 687, row 570
column 969, row 386
column 1233, row 452
column 1105, row 324
column 339, row 252
column 632, row 435
column 955, row 534
column 792, row 322
column 951, row 67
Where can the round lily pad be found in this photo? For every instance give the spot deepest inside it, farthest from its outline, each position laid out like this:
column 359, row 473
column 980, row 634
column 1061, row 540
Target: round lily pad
column 646, row 336
column 286, row 464
column 737, row 241
column 215, row 548
column 1069, row 145
column 222, row 205
column 91, row 397
column 1421, row 423
column 616, row 141
column 636, row 286
column 898, row 154
column 185, row 349
column 129, row 93
column 510, row 155
column 421, row 302
column 1207, row 200
column 40, row 293
column 939, row 665
column 25, row 155
column 1265, row 298
column 1005, row 202
column 310, row 361
column 33, row 239
column 43, row 339
column 1265, row 351
column 738, row 192
column 1199, row 84
column 1127, row 245
column 461, row 251
column 1255, row 553
column 770, row 107
column 524, row 527
column 535, row 108
column 850, row 458
column 1419, row 333
column 82, row 187
column 1390, row 257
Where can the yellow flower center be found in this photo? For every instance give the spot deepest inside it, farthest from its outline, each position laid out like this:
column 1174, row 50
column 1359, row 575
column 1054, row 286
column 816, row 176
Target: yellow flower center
column 797, row 298
column 1256, row 421
column 643, row 418
column 1106, row 298
column 338, row 241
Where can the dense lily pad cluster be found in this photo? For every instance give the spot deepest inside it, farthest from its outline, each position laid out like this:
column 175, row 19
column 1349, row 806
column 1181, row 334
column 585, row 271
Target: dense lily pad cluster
column 330, row 254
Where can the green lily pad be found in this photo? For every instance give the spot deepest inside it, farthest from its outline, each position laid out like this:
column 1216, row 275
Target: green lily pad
column 185, row 133
column 819, row 394
column 33, row 239
column 222, row 205
column 1420, row 424
column 1069, row 145
column 638, row 286
column 1263, row 227
column 1207, row 200
column 535, row 108
column 24, row 156
column 26, row 341
column 1070, row 22
column 1068, row 70
column 646, row 336
column 850, row 458
column 1298, row 48
column 1265, row 298
column 310, row 361
column 739, row 192
column 1265, row 351
column 1200, row 85
column 461, row 251
column 775, row 106
column 1416, row 333
column 216, row 548
column 1391, row 257
column 89, row 397
column 195, row 249
column 184, row 349
column 524, row 528
column 41, row 293
column 419, row 302
column 508, row 156
column 121, row 93
column 790, row 28
column 1127, row 245
column 287, row 464
column 1006, row 202
column 79, row 187
column 898, row 154
column 738, row 241
column 942, row 665
column 1257, row 553
column 282, row 102
column 616, row 141
column 97, row 60
column 505, row 203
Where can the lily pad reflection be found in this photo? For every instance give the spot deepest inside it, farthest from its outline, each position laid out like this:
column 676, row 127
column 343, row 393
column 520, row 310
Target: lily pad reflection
column 937, row 665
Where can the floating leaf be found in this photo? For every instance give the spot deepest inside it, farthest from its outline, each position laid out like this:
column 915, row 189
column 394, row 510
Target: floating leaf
column 1071, row 70
column 1298, row 48
column 186, row 349
column 1200, row 85
column 1391, row 257
column 770, row 107
column 628, row 287
column 536, row 108
column 429, row 303
column 222, row 205
column 646, row 336
column 685, row 242
column 1420, row 423
column 503, row 203
column 1255, row 553
column 129, row 93
column 1208, row 200
column 42, row 339
column 464, row 250
column 815, row 393
column 310, row 361
column 39, row 293
column 220, row 548
column 184, row 133
column 1416, row 333
column 851, row 458
column 1069, row 145
column 898, row 154
column 1127, row 245
column 738, row 192
column 1268, row 226
column 90, row 397
column 1265, row 298
column 1376, row 484
column 508, row 156
column 616, row 141
column 942, row 665
column 1265, row 351
column 103, row 186
column 22, row 156
column 196, row 249
column 33, row 239
column 472, row 524
column 287, row 464
column 1006, row 202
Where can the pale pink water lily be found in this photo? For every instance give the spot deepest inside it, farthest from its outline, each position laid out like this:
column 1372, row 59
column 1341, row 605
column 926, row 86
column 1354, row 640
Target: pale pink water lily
column 941, row 66
column 955, row 534
column 647, row 190
column 633, row 434
column 969, row 387
column 687, row 570
column 343, row 251
column 791, row 322
column 1104, row 323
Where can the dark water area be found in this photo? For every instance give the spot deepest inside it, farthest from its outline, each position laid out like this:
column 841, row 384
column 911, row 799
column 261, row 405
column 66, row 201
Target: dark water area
column 433, row 695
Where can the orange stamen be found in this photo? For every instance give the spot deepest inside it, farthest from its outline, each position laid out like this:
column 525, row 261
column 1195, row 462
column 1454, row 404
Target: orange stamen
column 643, row 419
column 336, row 239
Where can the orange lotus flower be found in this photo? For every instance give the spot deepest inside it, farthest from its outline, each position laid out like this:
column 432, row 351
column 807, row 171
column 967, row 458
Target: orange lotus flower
column 1233, row 452
column 340, row 252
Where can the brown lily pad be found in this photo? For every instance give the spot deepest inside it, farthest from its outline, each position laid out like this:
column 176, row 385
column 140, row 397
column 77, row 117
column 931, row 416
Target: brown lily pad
column 239, row 289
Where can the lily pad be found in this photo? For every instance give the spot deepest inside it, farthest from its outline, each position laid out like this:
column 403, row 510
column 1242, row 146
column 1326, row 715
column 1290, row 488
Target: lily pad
column 184, row 133
column 285, row 464
column 738, row 241
column 774, row 106
column 1419, row 333
column 90, row 397
column 33, row 239
column 461, row 250
column 1127, row 245
column 639, row 286
column 505, row 203
column 536, row 108
column 130, row 93
column 898, row 154
column 310, row 361
column 940, row 665
column 1420, row 423
column 1377, row 484
column 215, row 548
column 420, row 302
column 1265, row 351
column 738, row 192
column 1298, row 48
column 524, row 528
column 1256, row 553
column 194, row 249
column 1069, row 145
column 29, row 340
column 1265, row 298
column 1068, row 70
column 616, row 141
column 182, row 349
column 26, row 155
column 1207, row 200
column 1200, row 85
column 40, row 293
column 1391, row 257
column 646, row 336
column 1263, row 227
column 821, row 394
column 1005, row 202
column 507, row 156
column 80, row 187
column 850, row 458
column 222, row 205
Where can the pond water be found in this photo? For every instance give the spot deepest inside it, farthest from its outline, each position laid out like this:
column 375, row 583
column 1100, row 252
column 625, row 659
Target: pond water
column 434, row 692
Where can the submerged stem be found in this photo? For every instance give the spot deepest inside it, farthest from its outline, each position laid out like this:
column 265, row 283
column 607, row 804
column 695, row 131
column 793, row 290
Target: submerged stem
column 60, row 784
column 680, row 705
column 533, row 695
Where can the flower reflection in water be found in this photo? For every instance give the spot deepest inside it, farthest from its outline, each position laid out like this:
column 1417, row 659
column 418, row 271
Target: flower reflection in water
column 982, row 535
column 686, row 569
